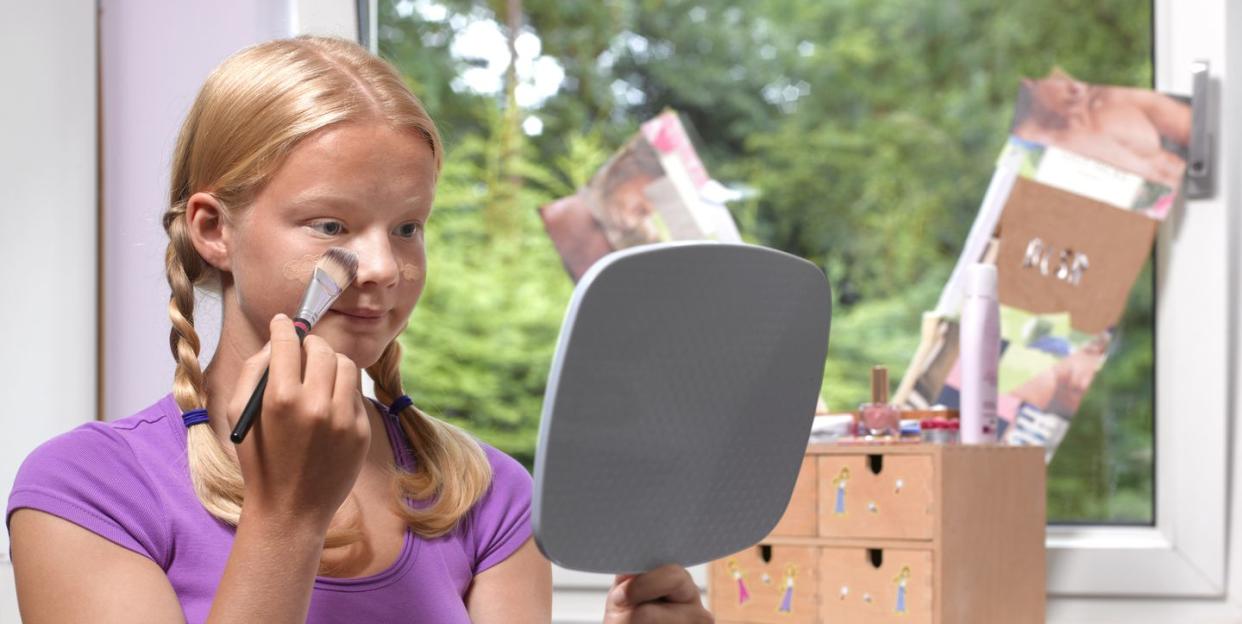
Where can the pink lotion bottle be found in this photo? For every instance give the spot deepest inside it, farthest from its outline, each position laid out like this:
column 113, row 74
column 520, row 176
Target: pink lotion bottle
column 980, row 355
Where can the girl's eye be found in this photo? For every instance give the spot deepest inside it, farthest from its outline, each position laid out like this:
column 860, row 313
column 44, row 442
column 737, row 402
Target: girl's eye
column 408, row 230
column 331, row 228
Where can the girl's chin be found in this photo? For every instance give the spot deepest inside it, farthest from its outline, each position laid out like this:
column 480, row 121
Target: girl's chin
column 364, row 358
column 363, row 350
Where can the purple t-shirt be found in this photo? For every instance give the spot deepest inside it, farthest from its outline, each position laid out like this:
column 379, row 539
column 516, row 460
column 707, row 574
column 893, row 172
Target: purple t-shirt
column 128, row 481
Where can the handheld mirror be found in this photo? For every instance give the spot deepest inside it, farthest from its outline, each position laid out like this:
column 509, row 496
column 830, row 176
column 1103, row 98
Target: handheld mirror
column 678, row 405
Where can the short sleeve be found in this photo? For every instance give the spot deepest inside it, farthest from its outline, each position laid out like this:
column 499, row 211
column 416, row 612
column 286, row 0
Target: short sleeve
column 90, row 477
column 500, row 521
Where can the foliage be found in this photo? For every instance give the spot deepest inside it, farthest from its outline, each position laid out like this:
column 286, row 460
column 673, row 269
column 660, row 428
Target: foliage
column 868, row 128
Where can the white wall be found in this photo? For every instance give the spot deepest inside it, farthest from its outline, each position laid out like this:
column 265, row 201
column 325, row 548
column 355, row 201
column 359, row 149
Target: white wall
column 48, row 208
column 154, row 55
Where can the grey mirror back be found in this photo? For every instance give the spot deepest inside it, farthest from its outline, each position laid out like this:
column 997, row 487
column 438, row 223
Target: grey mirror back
column 678, row 405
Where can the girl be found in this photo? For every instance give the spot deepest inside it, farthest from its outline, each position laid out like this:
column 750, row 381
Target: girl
column 335, row 508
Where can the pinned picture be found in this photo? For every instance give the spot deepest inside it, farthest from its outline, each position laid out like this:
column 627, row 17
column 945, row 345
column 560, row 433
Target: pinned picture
column 1135, row 130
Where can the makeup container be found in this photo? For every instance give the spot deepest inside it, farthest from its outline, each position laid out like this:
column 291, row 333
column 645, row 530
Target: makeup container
column 939, row 430
column 878, row 418
column 979, row 355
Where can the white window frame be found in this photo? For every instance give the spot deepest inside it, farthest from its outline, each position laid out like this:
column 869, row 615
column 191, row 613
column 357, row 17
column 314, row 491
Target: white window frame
column 1183, row 554
column 1176, row 569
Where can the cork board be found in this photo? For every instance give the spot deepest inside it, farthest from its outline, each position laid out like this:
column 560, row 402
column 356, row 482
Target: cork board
column 1061, row 252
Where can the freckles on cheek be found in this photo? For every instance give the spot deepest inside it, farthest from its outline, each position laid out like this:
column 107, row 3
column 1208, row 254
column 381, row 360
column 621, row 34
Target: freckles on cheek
column 300, row 269
column 411, row 272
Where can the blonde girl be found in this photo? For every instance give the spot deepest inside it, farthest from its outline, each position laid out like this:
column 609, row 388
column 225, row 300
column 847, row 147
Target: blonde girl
column 336, row 508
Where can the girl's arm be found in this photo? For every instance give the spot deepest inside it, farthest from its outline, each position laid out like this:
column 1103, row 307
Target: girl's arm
column 518, row 589
column 67, row 574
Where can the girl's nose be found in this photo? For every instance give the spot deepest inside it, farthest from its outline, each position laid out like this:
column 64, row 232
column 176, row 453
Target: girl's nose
column 376, row 262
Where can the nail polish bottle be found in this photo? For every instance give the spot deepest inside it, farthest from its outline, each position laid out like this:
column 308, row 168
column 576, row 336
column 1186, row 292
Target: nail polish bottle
column 878, row 418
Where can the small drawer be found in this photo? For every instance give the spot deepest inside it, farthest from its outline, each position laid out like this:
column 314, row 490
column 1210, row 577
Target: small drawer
column 876, row 585
column 765, row 583
column 799, row 519
column 876, row 496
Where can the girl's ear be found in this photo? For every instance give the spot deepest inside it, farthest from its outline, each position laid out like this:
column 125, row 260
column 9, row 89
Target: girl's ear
column 210, row 229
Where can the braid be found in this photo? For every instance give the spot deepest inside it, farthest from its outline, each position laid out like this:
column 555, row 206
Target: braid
column 214, row 471
column 451, row 471
column 184, row 268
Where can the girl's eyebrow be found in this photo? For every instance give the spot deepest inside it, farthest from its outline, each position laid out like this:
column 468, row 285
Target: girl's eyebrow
column 333, row 200
column 318, row 200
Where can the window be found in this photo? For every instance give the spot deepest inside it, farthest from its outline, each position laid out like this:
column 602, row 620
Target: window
column 863, row 134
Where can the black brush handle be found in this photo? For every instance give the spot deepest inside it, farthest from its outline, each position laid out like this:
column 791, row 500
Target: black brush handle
column 255, row 404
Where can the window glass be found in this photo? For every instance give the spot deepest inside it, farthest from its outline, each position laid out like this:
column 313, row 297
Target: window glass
column 861, row 135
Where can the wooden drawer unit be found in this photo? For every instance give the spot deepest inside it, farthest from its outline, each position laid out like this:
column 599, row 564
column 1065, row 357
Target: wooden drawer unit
column 768, row 583
column 898, row 533
column 876, row 585
column 876, row 496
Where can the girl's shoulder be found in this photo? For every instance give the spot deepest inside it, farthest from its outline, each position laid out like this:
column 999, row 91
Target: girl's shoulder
column 152, row 437
column 499, row 523
column 506, row 471
column 147, row 436
column 108, row 477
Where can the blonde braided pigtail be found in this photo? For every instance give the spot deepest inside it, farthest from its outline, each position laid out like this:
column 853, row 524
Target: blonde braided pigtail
column 451, row 471
column 214, row 470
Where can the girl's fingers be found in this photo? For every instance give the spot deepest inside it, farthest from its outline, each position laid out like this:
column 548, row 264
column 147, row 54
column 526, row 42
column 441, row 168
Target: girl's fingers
column 251, row 372
column 345, row 396
column 320, row 377
column 285, row 379
column 660, row 613
column 671, row 583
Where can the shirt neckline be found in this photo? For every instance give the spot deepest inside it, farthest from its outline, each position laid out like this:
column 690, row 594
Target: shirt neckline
column 409, row 546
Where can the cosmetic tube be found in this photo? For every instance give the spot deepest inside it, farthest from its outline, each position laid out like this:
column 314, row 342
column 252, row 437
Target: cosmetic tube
column 979, row 355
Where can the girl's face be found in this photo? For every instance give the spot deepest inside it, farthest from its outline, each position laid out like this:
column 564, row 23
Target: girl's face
column 365, row 187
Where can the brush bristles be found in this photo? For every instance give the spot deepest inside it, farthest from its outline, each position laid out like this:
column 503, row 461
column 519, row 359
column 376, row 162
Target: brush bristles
column 341, row 265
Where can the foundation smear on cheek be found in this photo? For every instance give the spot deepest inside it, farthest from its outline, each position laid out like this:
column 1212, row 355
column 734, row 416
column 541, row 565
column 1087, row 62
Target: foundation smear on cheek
column 411, row 272
column 300, row 270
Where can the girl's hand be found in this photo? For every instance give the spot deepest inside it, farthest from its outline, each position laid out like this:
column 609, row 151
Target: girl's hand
column 665, row 594
column 306, row 449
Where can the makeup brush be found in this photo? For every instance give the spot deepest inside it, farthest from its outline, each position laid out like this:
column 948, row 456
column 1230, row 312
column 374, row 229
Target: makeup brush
column 334, row 272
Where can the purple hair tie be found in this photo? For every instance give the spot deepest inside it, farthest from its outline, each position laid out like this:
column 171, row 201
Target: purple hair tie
column 194, row 417
column 401, row 403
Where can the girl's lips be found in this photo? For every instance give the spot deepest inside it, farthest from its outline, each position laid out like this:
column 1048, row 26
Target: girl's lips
column 359, row 319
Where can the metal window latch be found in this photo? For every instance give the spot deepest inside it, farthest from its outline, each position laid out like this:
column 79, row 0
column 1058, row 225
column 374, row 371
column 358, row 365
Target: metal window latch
column 1199, row 171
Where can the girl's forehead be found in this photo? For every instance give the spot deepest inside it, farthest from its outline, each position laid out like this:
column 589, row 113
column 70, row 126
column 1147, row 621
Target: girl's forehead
column 357, row 164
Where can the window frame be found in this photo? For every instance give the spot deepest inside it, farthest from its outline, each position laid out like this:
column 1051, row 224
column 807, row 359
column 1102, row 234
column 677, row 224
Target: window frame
column 1183, row 553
